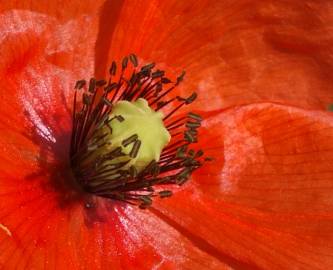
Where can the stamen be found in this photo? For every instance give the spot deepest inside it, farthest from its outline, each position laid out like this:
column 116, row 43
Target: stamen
column 165, row 193
column 135, row 149
column 134, row 60
column 130, row 140
column 80, row 84
column 101, row 166
column 92, row 85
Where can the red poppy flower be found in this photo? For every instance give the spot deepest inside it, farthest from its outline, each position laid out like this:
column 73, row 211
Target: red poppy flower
column 262, row 70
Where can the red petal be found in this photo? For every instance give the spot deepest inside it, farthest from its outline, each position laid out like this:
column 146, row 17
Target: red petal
column 235, row 52
column 70, row 239
column 269, row 200
column 60, row 9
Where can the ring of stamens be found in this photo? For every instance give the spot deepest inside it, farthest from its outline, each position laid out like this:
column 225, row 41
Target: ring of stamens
column 93, row 102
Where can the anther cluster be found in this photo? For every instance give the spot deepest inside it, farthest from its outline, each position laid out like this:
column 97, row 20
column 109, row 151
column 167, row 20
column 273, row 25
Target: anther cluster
column 106, row 174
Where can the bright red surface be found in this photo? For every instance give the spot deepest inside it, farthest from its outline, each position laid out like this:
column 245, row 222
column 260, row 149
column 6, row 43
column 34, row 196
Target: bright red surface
column 263, row 70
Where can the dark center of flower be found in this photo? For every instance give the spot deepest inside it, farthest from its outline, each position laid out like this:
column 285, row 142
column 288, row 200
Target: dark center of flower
column 123, row 147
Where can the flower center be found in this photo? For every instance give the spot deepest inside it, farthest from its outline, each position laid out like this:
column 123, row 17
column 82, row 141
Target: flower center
column 141, row 134
column 123, row 147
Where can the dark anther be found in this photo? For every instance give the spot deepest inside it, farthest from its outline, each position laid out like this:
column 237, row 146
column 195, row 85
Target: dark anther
column 188, row 100
column 124, row 63
column 191, row 153
column 189, row 137
column 92, row 85
column 113, row 68
column 80, row 84
column 120, row 118
column 181, row 99
column 110, row 87
column 133, row 59
column 180, row 78
column 191, row 98
column 157, row 74
column 181, row 151
column 145, row 202
column 155, row 170
column 148, row 67
column 199, row 154
column 193, row 131
column 194, row 116
column 129, row 140
column 165, row 80
column 193, row 124
column 145, row 72
column 165, row 193
column 135, row 149
column 100, row 83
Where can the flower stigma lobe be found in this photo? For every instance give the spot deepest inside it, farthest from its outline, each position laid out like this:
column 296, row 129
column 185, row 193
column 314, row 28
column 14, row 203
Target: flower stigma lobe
column 141, row 125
